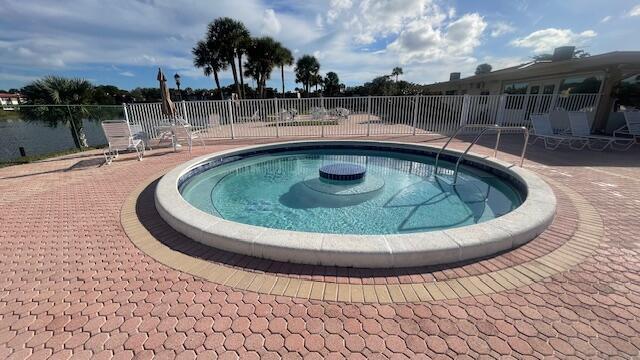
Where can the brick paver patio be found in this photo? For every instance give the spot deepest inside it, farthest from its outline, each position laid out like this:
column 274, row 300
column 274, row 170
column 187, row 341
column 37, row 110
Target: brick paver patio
column 73, row 283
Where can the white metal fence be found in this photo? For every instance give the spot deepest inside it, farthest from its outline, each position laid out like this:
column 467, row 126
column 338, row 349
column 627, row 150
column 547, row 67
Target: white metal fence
column 364, row 116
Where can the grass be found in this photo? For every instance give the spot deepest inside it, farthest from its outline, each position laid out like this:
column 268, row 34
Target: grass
column 35, row 158
column 5, row 115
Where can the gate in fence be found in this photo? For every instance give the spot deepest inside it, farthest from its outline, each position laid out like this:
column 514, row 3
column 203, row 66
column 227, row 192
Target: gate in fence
column 355, row 116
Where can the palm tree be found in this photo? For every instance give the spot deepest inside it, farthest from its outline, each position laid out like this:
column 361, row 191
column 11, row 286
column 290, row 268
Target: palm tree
column 283, row 58
column 243, row 47
column 261, row 59
column 317, row 80
column 396, row 71
column 331, row 83
column 59, row 91
column 207, row 57
column 228, row 35
column 306, row 68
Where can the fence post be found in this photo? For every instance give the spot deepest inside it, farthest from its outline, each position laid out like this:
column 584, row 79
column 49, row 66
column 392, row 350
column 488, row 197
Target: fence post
column 231, row 118
column 184, row 111
column 502, row 105
column 277, row 116
column 368, row 115
column 415, row 113
column 323, row 115
column 464, row 115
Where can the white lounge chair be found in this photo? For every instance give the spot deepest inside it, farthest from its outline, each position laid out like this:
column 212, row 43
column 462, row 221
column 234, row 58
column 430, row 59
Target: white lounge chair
column 543, row 130
column 580, row 128
column 632, row 126
column 182, row 131
column 254, row 117
column 120, row 138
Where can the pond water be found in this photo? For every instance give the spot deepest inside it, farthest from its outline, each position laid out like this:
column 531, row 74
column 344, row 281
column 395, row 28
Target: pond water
column 37, row 138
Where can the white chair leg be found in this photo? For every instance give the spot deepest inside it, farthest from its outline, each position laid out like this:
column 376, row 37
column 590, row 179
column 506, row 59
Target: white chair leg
column 625, row 147
column 595, row 148
column 581, row 146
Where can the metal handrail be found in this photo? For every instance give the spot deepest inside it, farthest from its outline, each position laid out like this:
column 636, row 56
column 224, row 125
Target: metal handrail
column 497, row 128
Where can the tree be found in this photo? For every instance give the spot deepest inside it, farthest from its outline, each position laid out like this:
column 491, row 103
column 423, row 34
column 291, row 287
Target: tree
column 396, row 71
column 283, row 58
column 331, row 83
column 261, row 59
column 306, row 68
column 483, row 69
column 228, row 36
column 207, row 57
column 55, row 90
column 243, row 47
column 316, row 80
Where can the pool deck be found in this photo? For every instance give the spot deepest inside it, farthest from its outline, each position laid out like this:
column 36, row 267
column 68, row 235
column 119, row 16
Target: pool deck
column 87, row 270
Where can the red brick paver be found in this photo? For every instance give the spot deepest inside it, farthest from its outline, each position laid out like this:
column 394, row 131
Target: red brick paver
column 72, row 283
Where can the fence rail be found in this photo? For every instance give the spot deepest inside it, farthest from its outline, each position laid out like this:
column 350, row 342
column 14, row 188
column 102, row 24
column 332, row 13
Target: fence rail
column 356, row 116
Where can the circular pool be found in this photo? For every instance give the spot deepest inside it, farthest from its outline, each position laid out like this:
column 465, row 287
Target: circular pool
column 354, row 203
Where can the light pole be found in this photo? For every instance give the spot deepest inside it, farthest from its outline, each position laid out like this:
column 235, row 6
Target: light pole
column 176, row 77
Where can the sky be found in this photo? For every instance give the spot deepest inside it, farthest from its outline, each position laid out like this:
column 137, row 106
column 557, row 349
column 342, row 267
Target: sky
column 123, row 42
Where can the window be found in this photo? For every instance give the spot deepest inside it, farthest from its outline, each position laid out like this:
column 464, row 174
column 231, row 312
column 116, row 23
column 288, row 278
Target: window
column 548, row 89
column 516, row 88
column 580, row 85
column 450, row 92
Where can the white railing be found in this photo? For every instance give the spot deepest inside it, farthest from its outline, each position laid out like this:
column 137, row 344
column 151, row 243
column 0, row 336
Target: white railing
column 355, row 116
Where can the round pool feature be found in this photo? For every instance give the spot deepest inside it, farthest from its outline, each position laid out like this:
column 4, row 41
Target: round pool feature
column 342, row 172
column 273, row 201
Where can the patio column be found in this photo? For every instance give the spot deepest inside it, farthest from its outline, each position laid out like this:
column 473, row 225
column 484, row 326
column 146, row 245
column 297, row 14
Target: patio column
column 612, row 78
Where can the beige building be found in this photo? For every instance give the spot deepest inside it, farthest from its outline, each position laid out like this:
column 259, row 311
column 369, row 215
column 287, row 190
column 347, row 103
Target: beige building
column 561, row 76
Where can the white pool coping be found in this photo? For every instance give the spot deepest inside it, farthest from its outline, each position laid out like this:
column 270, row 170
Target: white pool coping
column 508, row 231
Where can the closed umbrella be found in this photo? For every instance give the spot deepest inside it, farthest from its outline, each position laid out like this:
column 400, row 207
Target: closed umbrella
column 168, row 108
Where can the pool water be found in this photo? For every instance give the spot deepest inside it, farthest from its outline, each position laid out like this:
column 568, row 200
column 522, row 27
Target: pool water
column 399, row 193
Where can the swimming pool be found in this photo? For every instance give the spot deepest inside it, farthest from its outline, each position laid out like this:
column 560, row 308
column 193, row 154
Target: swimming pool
column 399, row 192
column 354, row 203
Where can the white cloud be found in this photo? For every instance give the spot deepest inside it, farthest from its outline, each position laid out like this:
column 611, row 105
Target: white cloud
column 547, row 39
column 635, row 11
column 605, row 19
column 127, row 73
column 423, row 42
column 501, row 28
column 270, row 23
column 372, row 19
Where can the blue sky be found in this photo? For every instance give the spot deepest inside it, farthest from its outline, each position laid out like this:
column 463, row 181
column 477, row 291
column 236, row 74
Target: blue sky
column 122, row 42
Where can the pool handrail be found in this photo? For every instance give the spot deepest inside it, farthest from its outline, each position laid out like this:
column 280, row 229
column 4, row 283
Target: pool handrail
column 484, row 128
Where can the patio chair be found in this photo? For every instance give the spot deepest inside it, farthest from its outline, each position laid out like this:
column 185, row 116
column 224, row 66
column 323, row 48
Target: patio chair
column 182, row 131
column 632, row 126
column 254, row 117
column 580, row 128
column 213, row 122
column 543, row 130
column 120, row 138
column 318, row 113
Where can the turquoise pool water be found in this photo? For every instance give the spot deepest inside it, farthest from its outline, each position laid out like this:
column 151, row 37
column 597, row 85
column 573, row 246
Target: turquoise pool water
column 399, row 193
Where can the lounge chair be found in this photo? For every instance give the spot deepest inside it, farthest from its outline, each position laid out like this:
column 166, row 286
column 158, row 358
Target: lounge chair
column 580, row 128
column 543, row 130
column 632, row 126
column 120, row 138
column 254, row 117
column 182, row 131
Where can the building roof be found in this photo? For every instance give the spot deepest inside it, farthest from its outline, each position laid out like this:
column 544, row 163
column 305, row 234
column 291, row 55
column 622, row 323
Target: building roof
column 10, row 95
column 627, row 61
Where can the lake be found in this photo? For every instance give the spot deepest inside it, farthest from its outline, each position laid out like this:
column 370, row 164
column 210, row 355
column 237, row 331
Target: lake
column 37, row 138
